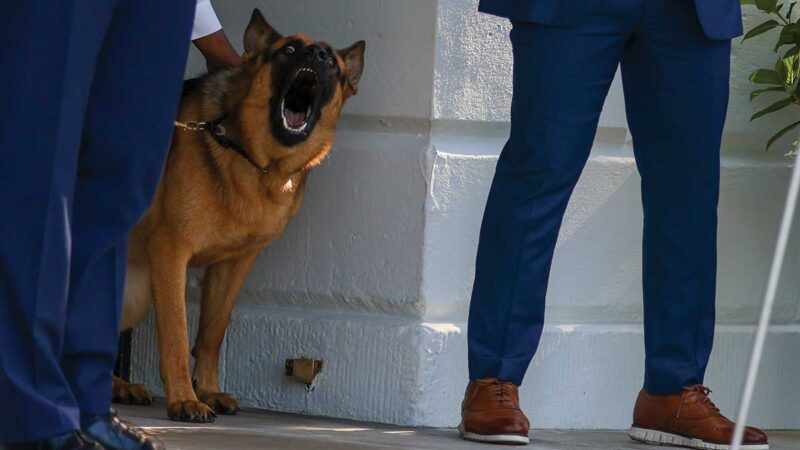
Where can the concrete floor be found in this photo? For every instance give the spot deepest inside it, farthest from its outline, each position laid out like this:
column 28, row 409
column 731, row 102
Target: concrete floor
column 263, row 430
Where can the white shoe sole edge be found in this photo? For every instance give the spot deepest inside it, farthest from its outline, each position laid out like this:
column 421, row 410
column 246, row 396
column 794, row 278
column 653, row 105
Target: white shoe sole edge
column 656, row 437
column 493, row 438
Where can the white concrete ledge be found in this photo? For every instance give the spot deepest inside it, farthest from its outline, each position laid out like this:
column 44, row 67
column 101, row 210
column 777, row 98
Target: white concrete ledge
column 408, row 372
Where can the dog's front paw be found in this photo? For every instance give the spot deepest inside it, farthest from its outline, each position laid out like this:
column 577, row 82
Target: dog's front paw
column 131, row 394
column 190, row 411
column 220, row 402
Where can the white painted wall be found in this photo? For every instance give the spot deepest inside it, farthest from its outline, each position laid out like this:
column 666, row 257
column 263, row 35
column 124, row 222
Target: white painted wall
column 374, row 275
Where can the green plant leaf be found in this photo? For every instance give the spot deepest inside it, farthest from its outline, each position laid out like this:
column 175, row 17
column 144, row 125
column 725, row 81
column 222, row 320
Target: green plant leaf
column 789, row 35
column 789, row 12
column 760, row 29
column 748, row 2
column 777, row 106
column 788, row 69
column 769, row 6
column 779, row 134
column 758, row 92
column 766, row 76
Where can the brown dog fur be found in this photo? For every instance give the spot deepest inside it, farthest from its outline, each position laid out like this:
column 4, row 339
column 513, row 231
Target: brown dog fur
column 214, row 209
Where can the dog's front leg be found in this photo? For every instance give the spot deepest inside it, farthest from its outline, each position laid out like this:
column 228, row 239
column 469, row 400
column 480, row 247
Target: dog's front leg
column 221, row 286
column 168, row 264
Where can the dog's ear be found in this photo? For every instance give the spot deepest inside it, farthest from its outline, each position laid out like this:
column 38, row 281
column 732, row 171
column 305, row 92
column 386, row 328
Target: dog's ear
column 353, row 57
column 259, row 35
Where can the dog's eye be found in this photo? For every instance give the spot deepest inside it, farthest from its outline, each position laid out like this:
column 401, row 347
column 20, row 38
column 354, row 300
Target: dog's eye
column 330, row 62
column 289, row 50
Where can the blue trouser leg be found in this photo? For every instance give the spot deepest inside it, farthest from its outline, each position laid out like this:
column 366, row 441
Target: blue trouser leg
column 561, row 76
column 126, row 135
column 676, row 89
column 561, row 79
column 85, row 115
column 45, row 80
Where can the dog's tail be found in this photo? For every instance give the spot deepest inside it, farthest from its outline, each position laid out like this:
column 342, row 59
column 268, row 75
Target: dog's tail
column 138, row 295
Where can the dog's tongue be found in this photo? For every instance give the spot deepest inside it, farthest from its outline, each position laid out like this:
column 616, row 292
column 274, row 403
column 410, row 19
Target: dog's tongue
column 294, row 119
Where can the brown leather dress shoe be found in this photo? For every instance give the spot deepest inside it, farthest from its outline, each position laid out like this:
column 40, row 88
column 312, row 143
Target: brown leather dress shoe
column 688, row 419
column 490, row 413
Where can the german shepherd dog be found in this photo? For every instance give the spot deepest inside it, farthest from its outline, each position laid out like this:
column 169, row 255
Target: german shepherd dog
column 234, row 177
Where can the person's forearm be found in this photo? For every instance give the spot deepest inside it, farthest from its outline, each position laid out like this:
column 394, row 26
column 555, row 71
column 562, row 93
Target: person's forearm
column 218, row 51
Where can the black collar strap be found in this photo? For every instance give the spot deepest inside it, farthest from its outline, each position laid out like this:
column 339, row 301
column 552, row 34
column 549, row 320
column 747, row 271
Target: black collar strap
column 218, row 133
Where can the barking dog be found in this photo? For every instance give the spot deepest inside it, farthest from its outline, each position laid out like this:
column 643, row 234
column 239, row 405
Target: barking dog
column 235, row 175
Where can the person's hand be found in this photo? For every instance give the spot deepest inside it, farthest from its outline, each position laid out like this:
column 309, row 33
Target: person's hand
column 218, row 51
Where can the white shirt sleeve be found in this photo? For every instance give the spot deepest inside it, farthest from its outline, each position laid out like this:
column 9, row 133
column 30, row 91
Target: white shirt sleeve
column 205, row 20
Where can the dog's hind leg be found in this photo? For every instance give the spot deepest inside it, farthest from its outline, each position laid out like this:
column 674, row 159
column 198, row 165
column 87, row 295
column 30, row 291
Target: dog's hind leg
column 137, row 300
column 129, row 393
column 138, row 295
column 220, row 289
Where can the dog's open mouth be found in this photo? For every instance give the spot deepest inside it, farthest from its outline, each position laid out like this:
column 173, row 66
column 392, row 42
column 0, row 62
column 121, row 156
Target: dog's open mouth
column 297, row 105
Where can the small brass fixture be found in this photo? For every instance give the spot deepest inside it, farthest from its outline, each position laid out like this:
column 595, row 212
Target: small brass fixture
column 303, row 369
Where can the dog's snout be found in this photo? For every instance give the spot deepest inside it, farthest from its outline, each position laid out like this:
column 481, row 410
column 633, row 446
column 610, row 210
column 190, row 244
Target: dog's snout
column 316, row 52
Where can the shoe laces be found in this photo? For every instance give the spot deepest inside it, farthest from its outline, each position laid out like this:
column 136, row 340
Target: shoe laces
column 503, row 392
column 698, row 394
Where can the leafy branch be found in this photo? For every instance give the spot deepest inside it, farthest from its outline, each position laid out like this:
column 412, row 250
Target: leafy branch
column 784, row 77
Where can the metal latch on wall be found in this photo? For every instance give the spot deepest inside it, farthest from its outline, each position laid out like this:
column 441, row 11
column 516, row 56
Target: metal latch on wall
column 305, row 370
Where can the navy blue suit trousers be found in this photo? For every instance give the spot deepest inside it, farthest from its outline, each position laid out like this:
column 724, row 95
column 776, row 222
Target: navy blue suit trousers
column 720, row 19
column 88, row 93
column 675, row 81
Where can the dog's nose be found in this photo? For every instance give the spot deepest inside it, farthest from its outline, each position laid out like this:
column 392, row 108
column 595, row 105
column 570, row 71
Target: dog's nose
column 316, row 52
